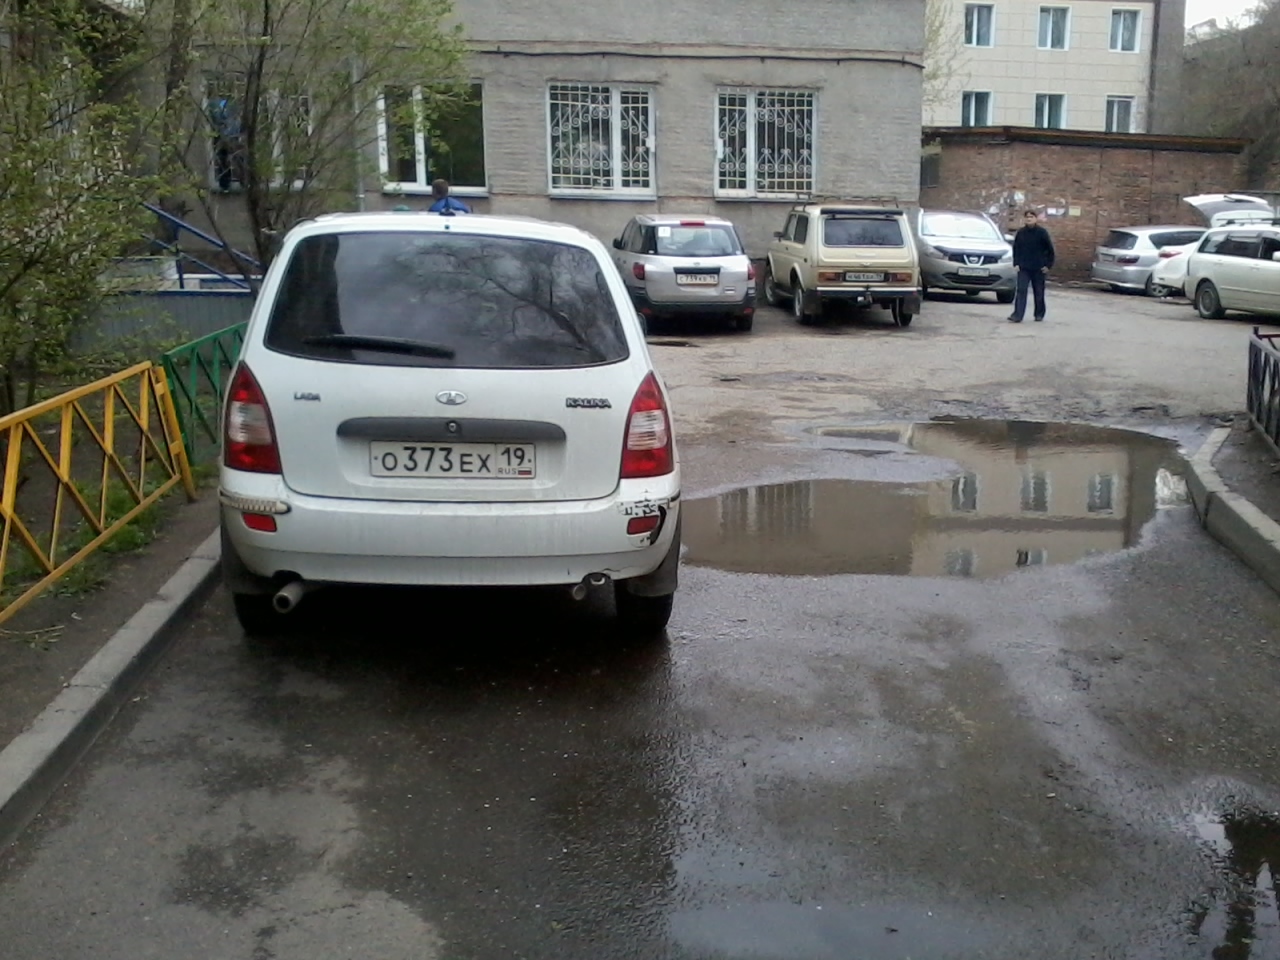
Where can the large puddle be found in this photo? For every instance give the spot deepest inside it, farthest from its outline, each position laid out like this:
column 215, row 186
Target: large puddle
column 1021, row 494
column 1242, row 921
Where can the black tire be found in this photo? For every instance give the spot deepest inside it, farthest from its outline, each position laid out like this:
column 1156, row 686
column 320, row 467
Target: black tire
column 744, row 322
column 972, row 293
column 1150, row 288
column 641, row 616
column 798, row 304
column 1208, row 303
column 901, row 317
column 256, row 615
column 773, row 295
column 1003, row 297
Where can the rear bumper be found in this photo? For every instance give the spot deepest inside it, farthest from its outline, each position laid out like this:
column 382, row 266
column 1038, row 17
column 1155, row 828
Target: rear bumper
column 1132, row 277
column 739, row 306
column 450, row 544
column 869, row 295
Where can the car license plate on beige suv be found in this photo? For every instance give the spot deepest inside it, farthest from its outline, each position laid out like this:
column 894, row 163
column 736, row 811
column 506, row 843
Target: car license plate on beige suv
column 864, row 278
column 464, row 461
column 697, row 279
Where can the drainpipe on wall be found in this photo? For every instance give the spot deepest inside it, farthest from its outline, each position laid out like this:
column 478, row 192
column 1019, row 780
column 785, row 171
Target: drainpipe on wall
column 355, row 105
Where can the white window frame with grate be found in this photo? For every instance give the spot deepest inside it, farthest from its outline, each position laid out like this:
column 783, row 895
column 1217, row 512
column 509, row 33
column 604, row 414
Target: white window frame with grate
column 765, row 143
column 1045, row 35
column 1045, row 105
column 1126, row 31
column 974, row 23
column 600, row 140
column 970, row 114
column 1115, row 114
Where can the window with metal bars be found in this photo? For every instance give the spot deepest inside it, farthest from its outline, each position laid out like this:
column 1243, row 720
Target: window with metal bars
column 764, row 144
column 600, row 139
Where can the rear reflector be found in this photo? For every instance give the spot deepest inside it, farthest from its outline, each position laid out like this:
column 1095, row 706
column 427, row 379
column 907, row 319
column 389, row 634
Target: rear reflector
column 262, row 522
column 646, row 447
column 249, row 441
column 642, row 524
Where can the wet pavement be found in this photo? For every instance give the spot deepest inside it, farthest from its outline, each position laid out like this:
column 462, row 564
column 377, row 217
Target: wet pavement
column 1072, row 756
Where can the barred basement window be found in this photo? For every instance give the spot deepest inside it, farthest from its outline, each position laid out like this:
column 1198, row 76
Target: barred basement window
column 600, row 139
column 764, row 144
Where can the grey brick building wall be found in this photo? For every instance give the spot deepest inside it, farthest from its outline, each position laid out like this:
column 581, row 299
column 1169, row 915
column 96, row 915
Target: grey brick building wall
column 860, row 58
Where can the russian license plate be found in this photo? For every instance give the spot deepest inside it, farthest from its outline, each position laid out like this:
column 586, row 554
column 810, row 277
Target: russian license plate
column 973, row 271
column 697, row 279
column 463, row 461
column 864, row 278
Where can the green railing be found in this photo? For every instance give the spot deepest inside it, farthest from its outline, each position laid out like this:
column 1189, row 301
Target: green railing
column 198, row 373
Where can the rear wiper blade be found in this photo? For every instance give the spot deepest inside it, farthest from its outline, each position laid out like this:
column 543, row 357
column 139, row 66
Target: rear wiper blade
column 355, row 341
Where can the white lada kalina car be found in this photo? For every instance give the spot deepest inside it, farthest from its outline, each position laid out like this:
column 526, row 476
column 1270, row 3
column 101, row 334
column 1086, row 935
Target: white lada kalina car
column 431, row 400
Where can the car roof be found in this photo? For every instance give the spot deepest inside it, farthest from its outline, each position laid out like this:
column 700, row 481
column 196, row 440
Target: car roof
column 652, row 219
column 401, row 221
column 954, row 213
column 851, row 208
column 1246, row 227
column 1158, row 228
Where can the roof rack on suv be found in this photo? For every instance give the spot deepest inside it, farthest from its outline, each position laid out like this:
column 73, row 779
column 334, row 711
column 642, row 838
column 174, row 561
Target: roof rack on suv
column 845, row 200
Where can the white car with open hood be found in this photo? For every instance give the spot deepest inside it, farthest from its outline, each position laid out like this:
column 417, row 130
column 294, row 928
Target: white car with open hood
column 430, row 400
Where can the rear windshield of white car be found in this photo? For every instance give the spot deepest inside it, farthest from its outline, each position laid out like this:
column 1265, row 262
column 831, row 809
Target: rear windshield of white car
column 958, row 227
column 445, row 299
column 686, row 240
column 861, row 232
column 1176, row 238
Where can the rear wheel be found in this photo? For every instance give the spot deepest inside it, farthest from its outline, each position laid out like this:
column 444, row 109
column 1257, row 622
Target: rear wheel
column 772, row 294
column 1004, row 296
column 1152, row 289
column 744, row 322
column 900, row 315
column 1208, row 303
column 256, row 615
column 641, row 616
column 972, row 293
column 798, row 304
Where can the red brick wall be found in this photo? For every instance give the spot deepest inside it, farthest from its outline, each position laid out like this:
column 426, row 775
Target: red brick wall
column 1104, row 186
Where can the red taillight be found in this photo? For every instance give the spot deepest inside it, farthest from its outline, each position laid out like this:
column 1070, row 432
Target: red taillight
column 1126, row 260
column 249, row 441
column 646, row 449
column 637, row 271
column 693, row 223
column 1166, row 254
column 638, row 525
column 751, row 271
column 262, row 522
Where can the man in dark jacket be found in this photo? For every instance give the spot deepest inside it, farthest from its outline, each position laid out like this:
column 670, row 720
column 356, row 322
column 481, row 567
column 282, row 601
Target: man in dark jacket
column 1033, row 256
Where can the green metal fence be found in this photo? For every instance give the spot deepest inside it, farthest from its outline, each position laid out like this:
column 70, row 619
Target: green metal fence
column 199, row 373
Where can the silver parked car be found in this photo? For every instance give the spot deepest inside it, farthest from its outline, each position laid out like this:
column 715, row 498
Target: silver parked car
column 966, row 252
column 686, row 265
column 1125, row 259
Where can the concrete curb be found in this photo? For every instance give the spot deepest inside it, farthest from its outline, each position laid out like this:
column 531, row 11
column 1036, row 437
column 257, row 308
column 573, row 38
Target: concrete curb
column 38, row 759
column 1231, row 519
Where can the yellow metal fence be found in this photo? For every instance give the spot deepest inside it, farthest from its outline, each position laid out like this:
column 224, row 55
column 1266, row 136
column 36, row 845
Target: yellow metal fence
column 77, row 468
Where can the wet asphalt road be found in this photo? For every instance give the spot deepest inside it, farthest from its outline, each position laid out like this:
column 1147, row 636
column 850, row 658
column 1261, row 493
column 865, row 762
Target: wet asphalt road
column 949, row 758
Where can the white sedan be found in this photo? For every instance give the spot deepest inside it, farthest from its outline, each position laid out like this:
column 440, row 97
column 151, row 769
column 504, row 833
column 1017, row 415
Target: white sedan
column 430, row 400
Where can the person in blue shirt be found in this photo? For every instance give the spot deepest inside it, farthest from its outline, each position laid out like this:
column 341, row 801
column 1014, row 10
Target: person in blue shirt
column 444, row 203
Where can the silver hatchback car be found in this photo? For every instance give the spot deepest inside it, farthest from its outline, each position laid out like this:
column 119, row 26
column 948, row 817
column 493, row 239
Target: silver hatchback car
column 1125, row 259
column 674, row 265
column 965, row 252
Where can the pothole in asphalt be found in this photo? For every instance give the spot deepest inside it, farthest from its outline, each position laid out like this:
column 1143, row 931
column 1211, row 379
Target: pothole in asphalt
column 1242, row 919
column 1020, row 494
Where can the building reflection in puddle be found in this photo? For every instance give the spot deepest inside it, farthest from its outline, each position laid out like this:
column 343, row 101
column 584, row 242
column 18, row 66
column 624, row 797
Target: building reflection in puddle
column 1025, row 494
